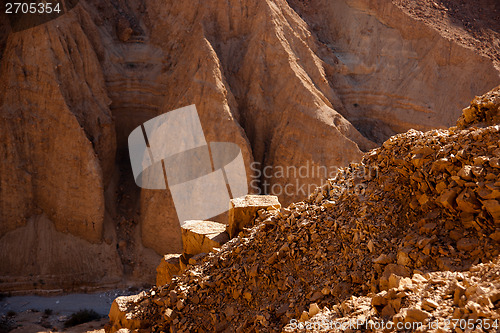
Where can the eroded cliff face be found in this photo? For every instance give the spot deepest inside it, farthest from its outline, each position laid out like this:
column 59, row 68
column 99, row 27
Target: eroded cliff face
column 394, row 72
column 240, row 50
column 36, row 256
column 56, row 128
column 58, row 145
column 292, row 83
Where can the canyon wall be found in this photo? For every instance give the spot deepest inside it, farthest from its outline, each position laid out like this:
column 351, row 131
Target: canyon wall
column 298, row 83
column 58, row 147
column 394, row 72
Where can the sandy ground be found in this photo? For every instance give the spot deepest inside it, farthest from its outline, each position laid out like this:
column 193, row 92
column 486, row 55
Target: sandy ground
column 26, row 314
column 36, row 322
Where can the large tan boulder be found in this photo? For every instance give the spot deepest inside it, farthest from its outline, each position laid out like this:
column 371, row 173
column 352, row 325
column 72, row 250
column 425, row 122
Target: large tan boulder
column 202, row 236
column 168, row 267
column 121, row 314
column 243, row 211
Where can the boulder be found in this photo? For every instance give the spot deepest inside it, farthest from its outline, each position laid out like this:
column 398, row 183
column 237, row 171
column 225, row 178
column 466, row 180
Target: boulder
column 202, row 236
column 168, row 267
column 243, row 211
column 121, row 316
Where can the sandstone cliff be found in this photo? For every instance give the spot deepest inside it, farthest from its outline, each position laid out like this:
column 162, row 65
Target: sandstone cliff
column 58, row 146
column 394, row 72
column 292, row 83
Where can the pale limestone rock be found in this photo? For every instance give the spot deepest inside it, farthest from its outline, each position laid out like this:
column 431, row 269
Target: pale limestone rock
column 243, row 211
column 202, row 236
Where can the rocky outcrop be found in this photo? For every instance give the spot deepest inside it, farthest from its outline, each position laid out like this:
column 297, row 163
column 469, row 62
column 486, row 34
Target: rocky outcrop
column 391, row 71
column 295, row 84
column 202, row 237
column 120, row 316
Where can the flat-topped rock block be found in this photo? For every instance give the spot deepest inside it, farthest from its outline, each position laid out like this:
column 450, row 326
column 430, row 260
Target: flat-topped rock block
column 202, row 236
column 121, row 316
column 243, row 210
column 168, row 267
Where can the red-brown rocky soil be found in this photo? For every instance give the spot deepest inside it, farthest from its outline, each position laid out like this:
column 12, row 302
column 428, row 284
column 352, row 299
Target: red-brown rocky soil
column 409, row 235
column 293, row 83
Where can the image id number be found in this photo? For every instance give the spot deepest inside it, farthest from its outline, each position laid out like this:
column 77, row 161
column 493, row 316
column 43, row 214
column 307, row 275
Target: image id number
column 32, row 8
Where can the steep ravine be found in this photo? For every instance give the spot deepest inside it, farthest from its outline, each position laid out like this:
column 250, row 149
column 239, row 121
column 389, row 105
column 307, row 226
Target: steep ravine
column 292, row 83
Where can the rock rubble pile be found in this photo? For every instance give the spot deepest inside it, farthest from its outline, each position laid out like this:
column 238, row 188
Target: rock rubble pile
column 440, row 301
column 201, row 237
column 416, row 224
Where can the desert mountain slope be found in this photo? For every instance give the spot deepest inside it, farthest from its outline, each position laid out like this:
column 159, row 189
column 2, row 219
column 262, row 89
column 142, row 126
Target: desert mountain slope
column 397, row 72
column 475, row 24
column 293, row 83
column 423, row 210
